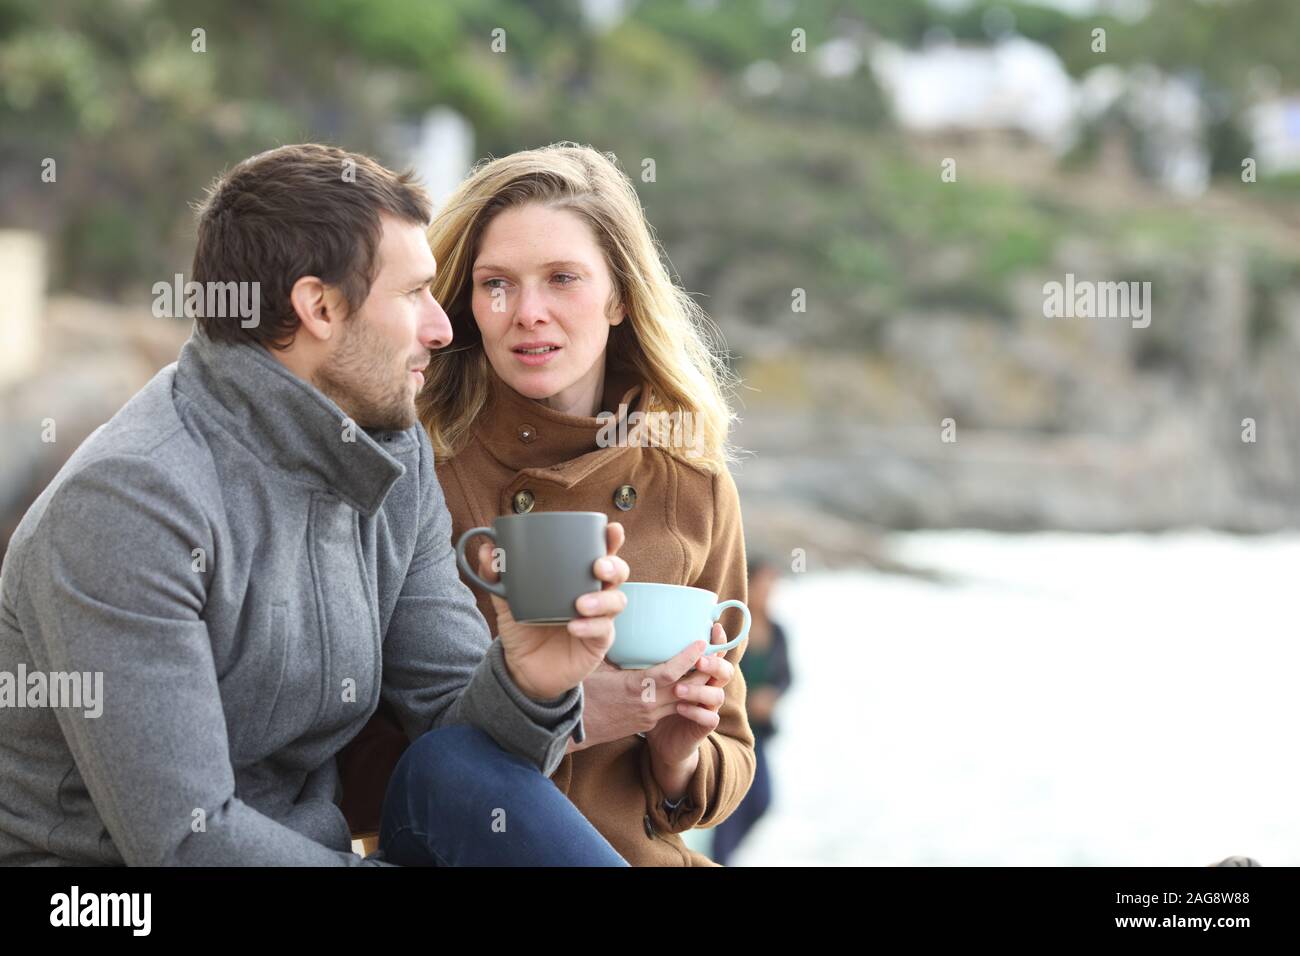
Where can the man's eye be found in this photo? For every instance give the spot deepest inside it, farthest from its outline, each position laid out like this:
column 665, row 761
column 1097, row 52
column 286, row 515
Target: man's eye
column 566, row 277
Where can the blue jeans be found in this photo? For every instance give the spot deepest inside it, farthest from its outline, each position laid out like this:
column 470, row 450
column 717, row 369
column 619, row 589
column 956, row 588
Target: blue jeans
column 457, row 798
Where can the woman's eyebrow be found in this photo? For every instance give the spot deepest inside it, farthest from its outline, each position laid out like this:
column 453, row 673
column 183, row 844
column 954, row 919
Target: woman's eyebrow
column 555, row 264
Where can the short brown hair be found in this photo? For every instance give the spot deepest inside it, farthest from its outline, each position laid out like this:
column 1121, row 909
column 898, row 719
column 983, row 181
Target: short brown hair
column 292, row 212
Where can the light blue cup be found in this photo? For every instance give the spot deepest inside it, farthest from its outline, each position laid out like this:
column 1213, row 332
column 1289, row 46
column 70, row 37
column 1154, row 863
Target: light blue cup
column 661, row 619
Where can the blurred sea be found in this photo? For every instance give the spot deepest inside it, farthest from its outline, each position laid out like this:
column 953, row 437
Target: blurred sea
column 1065, row 700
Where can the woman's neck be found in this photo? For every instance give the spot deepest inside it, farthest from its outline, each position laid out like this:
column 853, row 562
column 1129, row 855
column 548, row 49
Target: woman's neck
column 582, row 398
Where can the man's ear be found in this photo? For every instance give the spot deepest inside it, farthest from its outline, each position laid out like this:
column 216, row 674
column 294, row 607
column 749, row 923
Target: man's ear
column 319, row 307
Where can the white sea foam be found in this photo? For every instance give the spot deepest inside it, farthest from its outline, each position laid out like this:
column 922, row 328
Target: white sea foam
column 1073, row 700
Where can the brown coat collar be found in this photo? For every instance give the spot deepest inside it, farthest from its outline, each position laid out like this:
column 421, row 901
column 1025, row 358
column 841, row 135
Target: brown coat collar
column 524, row 434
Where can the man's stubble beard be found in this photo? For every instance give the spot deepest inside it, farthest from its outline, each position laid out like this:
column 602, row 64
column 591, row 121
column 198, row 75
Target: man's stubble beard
column 358, row 377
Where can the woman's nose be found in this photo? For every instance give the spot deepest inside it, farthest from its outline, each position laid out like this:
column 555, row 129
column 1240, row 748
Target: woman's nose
column 530, row 309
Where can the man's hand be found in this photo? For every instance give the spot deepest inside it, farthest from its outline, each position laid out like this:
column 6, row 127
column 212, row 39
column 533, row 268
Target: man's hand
column 546, row 662
column 618, row 703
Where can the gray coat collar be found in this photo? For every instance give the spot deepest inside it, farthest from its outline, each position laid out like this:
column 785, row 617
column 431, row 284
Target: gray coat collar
column 287, row 423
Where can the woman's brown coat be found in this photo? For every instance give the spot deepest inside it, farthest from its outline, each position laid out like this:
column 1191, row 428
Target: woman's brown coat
column 683, row 526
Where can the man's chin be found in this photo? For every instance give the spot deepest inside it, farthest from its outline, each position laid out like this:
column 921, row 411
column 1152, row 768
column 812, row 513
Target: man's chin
column 395, row 412
column 398, row 421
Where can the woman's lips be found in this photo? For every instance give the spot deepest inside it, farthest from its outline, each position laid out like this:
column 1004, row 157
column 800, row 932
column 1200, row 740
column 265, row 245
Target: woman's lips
column 536, row 358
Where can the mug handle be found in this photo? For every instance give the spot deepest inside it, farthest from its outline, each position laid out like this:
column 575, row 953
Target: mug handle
column 744, row 628
column 498, row 589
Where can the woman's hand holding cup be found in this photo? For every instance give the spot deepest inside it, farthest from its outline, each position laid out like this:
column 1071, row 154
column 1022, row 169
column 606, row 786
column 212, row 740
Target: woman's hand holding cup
column 675, row 740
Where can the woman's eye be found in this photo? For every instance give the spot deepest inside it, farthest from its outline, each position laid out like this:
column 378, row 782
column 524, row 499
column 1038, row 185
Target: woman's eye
column 488, row 283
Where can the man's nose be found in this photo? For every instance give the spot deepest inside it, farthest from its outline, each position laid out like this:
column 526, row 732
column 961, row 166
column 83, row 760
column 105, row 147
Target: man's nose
column 435, row 327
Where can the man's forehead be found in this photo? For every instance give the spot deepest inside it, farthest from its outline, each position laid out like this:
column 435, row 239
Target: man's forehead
column 405, row 247
column 404, row 232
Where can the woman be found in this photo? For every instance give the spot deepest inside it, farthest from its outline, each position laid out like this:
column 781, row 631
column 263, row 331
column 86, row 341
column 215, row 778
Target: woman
column 562, row 310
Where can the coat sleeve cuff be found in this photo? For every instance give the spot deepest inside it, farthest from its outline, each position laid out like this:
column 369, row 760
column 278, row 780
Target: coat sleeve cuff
column 694, row 803
column 538, row 731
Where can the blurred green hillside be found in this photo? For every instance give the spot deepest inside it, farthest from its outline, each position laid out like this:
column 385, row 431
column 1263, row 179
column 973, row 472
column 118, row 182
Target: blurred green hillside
column 773, row 176
column 807, row 186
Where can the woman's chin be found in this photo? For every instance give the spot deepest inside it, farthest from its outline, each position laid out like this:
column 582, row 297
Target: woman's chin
column 538, row 386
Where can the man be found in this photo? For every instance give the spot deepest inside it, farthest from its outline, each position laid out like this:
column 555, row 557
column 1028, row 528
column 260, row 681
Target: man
column 254, row 551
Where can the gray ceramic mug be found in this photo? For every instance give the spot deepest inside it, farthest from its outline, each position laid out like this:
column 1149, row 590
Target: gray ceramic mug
column 546, row 561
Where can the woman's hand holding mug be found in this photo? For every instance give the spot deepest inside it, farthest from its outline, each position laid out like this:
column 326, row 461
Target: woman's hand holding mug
column 675, row 740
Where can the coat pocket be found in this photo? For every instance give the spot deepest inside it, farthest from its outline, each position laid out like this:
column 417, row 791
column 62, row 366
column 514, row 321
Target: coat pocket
column 253, row 689
column 279, row 648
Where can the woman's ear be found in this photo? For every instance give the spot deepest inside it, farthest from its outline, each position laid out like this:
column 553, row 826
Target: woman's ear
column 615, row 312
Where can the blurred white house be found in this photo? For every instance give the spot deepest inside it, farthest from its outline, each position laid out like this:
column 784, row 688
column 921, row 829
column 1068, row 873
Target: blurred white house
column 440, row 149
column 1275, row 130
column 1013, row 84
column 22, row 276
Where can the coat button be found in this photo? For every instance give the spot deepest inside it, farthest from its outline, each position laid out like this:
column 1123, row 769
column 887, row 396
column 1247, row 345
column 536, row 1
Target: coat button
column 649, row 827
column 523, row 502
column 527, row 433
column 625, row 498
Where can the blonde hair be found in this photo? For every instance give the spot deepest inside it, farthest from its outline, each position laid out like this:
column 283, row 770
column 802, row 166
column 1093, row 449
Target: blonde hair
column 667, row 340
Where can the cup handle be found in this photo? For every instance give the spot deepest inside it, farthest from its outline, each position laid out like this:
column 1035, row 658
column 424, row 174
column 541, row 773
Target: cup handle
column 744, row 628
column 498, row 589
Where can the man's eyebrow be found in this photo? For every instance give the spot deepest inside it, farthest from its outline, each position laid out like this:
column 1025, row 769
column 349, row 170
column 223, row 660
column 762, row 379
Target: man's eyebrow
column 420, row 283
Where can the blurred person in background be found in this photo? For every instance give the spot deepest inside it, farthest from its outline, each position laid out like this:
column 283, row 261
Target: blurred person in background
column 766, row 668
